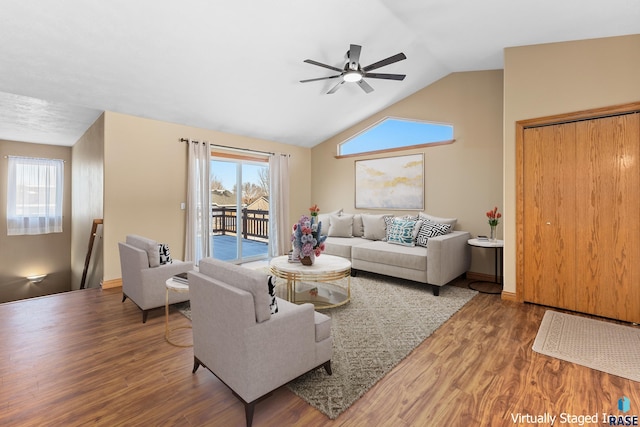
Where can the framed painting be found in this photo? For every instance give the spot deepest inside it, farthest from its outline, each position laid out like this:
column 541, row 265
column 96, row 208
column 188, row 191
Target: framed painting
column 390, row 183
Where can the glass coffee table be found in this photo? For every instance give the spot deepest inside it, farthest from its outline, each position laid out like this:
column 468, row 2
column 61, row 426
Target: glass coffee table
column 325, row 284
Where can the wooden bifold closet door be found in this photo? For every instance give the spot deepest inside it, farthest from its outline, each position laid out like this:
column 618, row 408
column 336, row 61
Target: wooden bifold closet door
column 581, row 216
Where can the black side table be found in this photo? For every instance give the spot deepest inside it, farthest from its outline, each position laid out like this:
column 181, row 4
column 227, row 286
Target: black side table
column 498, row 246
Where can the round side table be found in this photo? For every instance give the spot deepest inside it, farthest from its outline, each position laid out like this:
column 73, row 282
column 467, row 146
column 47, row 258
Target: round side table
column 497, row 246
column 173, row 286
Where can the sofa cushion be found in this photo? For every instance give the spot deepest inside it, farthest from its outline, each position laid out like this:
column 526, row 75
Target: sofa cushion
column 271, row 284
column 431, row 229
column 400, row 232
column 358, row 228
column 341, row 246
column 147, row 245
column 413, row 257
column 326, row 221
column 323, row 326
column 341, row 226
column 451, row 221
column 374, row 226
column 251, row 281
column 164, row 253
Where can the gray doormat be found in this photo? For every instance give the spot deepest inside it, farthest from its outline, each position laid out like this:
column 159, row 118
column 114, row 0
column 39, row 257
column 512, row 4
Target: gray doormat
column 596, row 344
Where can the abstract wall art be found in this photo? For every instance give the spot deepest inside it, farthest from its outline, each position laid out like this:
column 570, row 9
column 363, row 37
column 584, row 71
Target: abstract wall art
column 390, row 183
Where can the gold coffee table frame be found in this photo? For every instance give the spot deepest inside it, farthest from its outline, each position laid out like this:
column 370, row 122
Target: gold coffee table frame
column 317, row 283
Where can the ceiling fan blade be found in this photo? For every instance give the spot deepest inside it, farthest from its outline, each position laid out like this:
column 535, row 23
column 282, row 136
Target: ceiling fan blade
column 354, row 56
column 335, row 88
column 319, row 78
column 385, row 76
column 390, row 60
column 365, row 86
column 320, row 64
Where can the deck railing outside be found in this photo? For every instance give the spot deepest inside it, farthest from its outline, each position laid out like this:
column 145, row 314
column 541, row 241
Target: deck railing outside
column 255, row 222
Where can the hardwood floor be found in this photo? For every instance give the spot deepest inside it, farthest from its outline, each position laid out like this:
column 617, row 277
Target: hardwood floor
column 85, row 357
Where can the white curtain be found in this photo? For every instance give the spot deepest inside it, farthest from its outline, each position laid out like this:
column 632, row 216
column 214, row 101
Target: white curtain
column 198, row 233
column 34, row 195
column 279, row 227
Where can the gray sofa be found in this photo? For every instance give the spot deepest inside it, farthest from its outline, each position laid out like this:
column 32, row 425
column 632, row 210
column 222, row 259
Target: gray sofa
column 436, row 261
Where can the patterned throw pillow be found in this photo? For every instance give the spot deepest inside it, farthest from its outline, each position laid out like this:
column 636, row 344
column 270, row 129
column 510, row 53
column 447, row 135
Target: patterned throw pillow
column 165, row 254
column 431, row 229
column 401, row 232
column 388, row 222
column 273, row 305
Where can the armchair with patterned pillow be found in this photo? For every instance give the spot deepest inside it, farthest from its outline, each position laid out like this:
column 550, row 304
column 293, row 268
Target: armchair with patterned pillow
column 146, row 266
column 252, row 341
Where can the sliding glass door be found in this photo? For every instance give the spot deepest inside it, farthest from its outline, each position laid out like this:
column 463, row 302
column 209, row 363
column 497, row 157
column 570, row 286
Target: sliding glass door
column 239, row 207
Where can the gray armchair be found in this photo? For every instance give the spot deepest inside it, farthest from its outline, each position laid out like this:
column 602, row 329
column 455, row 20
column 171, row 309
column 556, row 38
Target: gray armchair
column 144, row 278
column 236, row 337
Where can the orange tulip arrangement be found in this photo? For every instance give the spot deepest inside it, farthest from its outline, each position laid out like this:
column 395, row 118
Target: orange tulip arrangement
column 494, row 216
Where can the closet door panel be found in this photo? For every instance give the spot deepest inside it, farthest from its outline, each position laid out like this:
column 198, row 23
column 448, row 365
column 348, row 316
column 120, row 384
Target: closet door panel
column 549, row 215
column 608, row 217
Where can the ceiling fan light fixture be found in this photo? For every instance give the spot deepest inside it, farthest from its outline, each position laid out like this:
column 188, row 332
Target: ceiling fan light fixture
column 352, row 72
column 352, row 76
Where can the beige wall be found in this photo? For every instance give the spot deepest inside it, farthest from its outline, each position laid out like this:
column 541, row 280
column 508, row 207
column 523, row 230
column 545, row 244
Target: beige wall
column 462, row 180
column 145, row 180
column 88, row 183
column 557, row 78
column 26, row 255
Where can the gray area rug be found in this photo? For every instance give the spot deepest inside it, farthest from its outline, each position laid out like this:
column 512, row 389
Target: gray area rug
column 386, row 319
column 603, row 346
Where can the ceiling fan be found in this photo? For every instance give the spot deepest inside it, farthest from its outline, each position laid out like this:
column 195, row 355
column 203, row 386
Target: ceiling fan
column 353, row 72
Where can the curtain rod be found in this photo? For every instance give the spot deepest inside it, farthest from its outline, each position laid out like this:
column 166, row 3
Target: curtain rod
column 235, row 148
column 35, row 158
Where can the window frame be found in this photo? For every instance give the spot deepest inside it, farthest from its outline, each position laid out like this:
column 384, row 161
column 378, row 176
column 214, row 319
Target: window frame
column 394, row 149
column 47, row 217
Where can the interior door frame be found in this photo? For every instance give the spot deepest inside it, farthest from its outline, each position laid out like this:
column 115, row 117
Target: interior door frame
column 521, row 125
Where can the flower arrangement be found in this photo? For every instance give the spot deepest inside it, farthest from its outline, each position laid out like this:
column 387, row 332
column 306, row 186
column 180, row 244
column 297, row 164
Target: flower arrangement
column 494, row 216
column 306, row 238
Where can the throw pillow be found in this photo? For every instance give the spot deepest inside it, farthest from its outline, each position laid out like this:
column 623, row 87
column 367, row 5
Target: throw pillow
column 401, row 232
column 374, row 226
column 431, row 229
column 358, row 228
column 165, row 254
column 242, row 278
column 451, row 221
column 147, row 245
column 326, row 221
column 273, row 305
column 389, row 222
column 341, row 226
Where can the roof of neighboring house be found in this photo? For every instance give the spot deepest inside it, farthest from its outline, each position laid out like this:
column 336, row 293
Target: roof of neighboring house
column 223, row 198
column 260, row 203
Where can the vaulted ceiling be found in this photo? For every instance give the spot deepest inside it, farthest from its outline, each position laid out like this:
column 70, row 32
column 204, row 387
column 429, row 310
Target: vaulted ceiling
column 235, row 66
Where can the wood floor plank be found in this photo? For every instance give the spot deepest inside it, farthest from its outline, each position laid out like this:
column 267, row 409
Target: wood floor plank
column 84, row 357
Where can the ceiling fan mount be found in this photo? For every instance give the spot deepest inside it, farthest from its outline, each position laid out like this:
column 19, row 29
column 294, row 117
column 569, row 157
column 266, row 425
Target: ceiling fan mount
column 352, row 72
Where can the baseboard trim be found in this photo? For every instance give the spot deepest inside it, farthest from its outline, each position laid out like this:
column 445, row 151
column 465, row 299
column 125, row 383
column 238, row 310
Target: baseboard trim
column 114, row 283
column 509, row 296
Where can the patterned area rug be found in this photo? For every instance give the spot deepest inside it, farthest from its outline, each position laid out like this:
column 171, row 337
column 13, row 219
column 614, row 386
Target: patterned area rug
column 386, row 319
column 596, row 344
